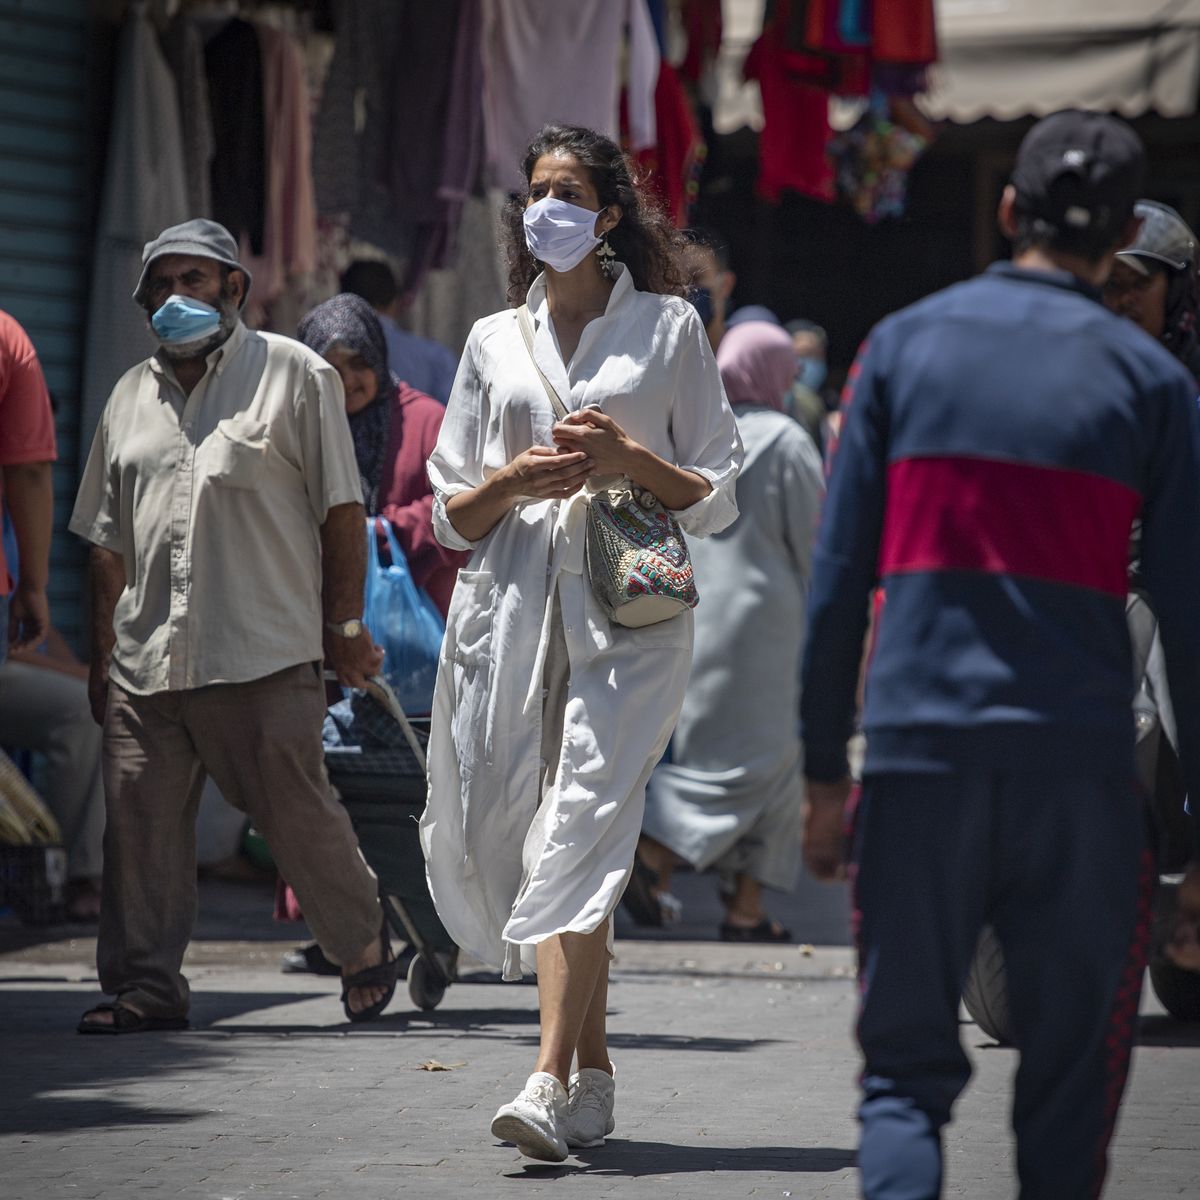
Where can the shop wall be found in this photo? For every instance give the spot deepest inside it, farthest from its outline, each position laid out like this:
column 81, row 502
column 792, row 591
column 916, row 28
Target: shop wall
column 44, row 233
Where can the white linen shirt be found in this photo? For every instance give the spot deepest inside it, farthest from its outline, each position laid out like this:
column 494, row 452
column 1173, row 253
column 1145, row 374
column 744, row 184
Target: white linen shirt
column 646, row 363
column 214, row 502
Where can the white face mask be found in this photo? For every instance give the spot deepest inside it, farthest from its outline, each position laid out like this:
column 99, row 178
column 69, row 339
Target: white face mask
column 560, row 234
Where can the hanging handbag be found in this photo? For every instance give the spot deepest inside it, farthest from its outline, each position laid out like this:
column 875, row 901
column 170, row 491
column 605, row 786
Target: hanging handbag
column 637, row 560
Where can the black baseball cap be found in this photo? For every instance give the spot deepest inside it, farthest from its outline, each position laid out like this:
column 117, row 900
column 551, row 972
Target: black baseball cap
column 1080, row 172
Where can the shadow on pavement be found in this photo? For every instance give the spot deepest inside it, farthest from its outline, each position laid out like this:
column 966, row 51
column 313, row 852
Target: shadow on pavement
column 1156, row 1030
column 61, row 1085
column 622, row 1157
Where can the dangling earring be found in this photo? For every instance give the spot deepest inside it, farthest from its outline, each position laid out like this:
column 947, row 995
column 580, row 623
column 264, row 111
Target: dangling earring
column 608, row 258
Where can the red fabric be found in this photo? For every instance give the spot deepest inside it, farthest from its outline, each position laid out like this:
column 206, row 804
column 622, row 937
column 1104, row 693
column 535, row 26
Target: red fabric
column 26, row 420
column 671, row 166
column 904, row 31
column 405, row 497
column 981, row 514
column 795, row 134
column 703, row 26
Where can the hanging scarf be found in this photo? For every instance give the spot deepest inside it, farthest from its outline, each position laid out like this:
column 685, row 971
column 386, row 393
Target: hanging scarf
column 348, row 320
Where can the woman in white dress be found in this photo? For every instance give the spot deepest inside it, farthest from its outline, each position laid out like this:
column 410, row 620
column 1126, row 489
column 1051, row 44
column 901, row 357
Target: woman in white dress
column 730, row 797
column 548, row 718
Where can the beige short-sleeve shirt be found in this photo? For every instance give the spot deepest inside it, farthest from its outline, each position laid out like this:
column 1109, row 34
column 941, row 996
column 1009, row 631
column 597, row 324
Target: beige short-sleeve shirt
column 215, row 502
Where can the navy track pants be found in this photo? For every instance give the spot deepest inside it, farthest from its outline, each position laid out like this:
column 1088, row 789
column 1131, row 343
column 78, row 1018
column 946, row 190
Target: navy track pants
column 1059, row 865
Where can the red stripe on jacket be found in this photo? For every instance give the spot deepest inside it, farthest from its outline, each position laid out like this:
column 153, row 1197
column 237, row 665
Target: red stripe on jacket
column 981, row 514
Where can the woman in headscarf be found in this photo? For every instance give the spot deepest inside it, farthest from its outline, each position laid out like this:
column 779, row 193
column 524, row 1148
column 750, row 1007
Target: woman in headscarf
column 729, row 799
column 395, row 429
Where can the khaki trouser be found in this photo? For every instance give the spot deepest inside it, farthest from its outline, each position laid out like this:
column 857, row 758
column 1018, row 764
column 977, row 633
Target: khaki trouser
column 261, row 743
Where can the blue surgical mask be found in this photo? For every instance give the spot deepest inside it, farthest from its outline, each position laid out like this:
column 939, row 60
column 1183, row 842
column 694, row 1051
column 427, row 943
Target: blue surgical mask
column 810, row 373
column 702, row 301
column 182, row 319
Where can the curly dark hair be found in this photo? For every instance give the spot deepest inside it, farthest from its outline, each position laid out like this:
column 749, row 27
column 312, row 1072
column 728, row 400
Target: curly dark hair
column 644, row 240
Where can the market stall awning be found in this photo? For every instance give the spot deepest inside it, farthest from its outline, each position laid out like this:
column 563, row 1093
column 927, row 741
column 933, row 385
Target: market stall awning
column 1012, row 58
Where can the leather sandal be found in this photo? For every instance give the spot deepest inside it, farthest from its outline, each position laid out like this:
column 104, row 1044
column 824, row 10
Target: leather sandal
column 125, row 1020
column 765, row 931
column 382, row 974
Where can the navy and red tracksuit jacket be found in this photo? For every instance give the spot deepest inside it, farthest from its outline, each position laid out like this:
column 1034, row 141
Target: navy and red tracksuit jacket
column 998, row 441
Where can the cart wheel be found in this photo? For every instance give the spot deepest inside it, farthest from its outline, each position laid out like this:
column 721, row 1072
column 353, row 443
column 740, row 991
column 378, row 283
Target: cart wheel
column 424, row 989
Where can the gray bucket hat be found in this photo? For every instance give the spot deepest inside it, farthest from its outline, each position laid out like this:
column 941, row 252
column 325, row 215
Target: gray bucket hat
column 199, row 236
column 1163, row 238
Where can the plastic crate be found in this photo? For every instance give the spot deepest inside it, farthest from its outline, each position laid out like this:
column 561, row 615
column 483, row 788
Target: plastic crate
column 33, row 881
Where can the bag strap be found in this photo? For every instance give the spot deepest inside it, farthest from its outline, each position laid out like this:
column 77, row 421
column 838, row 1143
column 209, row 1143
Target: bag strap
column 525, row 321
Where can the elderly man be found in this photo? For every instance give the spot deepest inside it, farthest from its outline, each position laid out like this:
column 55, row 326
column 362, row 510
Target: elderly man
column 223, row 504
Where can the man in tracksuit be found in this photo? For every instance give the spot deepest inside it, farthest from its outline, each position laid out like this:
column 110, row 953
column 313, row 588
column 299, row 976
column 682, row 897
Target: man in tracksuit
column 999, row 440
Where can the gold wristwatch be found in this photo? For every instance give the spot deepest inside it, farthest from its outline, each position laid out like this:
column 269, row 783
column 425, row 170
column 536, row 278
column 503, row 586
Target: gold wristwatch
column 347, row 629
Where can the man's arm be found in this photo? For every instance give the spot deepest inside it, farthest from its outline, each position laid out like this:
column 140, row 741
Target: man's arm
column 107, row 570
column 29, row 499
column 844, row 573
column 343, row 573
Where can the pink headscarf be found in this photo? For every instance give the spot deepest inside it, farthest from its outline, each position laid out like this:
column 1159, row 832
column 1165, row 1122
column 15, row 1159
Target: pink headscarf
column 758, row 364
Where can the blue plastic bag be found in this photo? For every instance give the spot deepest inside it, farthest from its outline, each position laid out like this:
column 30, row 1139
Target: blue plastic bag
column 404, row 621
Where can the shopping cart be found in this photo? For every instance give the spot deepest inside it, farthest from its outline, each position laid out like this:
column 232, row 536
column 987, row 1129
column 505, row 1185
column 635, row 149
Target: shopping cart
column 375, row 757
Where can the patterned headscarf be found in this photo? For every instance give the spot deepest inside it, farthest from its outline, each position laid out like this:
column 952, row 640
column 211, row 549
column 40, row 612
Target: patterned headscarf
column 758, row 364
column 350, row 321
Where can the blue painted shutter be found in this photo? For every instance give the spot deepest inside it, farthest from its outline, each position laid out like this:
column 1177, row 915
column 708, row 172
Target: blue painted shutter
column 44, row 236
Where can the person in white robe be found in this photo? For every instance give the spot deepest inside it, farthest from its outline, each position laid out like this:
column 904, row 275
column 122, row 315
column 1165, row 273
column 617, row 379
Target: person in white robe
column 548, row 717
column 729, row 798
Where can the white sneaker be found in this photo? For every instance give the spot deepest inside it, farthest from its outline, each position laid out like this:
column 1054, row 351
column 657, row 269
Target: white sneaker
column 590, row 1108
column 534, row 1121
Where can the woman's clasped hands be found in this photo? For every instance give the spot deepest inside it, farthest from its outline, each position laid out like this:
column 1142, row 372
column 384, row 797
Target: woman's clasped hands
column 586, row 443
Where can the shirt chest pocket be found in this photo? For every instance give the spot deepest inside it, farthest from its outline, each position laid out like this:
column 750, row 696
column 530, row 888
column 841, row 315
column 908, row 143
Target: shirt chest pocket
column 238, row 452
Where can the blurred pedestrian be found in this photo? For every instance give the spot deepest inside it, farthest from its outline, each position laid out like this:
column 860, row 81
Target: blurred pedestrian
column 806, row 399
column 27, row 449
column 708, row 263
column 423, row 364
column 224, row 506
column 44, row 707
column 729, row 798
column 395, row 429
column 542, row 701
column 1154, row 282
column 999, row 440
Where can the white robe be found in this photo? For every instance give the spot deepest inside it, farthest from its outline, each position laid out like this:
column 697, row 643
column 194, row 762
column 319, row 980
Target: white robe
column 647, row 363
column 730, row 797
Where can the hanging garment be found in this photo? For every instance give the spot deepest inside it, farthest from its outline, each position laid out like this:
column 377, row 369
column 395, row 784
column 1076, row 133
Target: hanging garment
column 674, row 163
column 184, row 48
column 512, row 862
column 795, row 132
column 452, row 299
column 730, row 796
column 290, row 220
column 233, row 60
column 702, row 20
column 378, row 161
column 145, row 191
column 561, row 63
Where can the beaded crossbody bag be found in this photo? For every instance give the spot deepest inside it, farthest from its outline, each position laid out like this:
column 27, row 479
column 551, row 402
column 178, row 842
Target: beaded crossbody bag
column 637, row 560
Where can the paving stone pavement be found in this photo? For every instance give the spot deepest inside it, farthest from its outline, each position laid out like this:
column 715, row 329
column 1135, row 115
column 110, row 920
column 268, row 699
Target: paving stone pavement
column 735, row 1079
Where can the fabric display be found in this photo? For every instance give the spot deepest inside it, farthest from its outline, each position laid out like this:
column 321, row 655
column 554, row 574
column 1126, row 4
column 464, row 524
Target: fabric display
column 873, row 160
column 145, row 190
column 210, row 118
column 812, row 49
column 402, row 182
column 561, row 62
